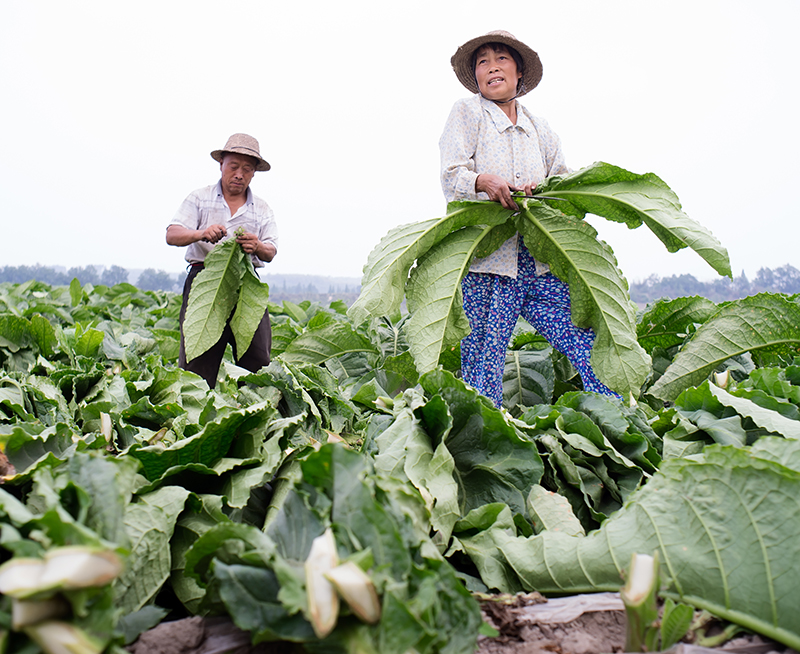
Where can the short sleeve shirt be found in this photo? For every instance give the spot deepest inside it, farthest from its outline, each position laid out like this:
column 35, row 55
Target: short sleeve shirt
column 479, row 138
column 206, row 206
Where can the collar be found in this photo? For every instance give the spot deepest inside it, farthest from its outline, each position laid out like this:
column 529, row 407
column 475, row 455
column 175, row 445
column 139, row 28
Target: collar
column 501, row 121
column 218, row 190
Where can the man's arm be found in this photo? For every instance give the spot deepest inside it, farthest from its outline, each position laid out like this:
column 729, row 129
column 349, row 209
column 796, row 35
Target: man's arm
column 180, row 235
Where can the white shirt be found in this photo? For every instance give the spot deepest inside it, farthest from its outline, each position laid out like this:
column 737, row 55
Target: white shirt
column 206, row 206
column 479, row 138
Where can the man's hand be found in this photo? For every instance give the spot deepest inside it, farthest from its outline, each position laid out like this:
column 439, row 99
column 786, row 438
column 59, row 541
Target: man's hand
column 251, row 245
column 180, row 235
column 213, row 233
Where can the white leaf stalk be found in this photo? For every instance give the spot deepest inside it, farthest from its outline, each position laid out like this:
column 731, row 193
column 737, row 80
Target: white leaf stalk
column 25, row 613
column 640, row 595
column 356, row 588
column 722, row 379
column 62, row 568
column 323, row 602
column 56, row 637
column 106, row 426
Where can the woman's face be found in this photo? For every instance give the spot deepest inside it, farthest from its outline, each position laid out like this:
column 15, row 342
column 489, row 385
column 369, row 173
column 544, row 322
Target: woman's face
column 496, row 73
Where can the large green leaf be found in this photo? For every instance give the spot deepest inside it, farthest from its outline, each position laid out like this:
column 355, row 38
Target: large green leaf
column 625, row 197
column 667, row 322
column 150, row 523
column 494, row 462
column 202, row 451
column 386, row 270
column 434, row 297
column 255, row 592
column 214, row 293
column 406, row 452
column 598, row 291
column 250, row 308
column 201, row 515
column 761, row 322
column 528, row 378
column 721, row 414
column 15, row 333
column 726, row 527
column 333, row 339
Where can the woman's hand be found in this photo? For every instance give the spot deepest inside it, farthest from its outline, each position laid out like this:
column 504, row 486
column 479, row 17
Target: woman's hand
column 498, row 190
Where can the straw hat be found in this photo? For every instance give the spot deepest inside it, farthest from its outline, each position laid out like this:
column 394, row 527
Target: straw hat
column 462, row 60
column 242, row 144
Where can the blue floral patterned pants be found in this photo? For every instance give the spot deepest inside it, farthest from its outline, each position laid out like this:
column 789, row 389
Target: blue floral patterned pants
column 494, row 302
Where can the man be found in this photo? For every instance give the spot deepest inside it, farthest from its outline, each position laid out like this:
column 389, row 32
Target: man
column 207, row 216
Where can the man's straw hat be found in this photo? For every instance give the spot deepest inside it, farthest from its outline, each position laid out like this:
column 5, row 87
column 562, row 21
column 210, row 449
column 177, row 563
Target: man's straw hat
column 531, row 65
column 242, row 144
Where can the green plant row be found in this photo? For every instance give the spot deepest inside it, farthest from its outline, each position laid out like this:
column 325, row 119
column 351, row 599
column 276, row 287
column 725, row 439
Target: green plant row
column 212, row 499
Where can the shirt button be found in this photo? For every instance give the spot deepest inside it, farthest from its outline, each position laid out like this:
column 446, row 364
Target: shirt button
column 517, row 175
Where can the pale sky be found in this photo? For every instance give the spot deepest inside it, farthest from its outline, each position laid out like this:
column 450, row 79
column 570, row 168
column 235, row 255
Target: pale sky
column 109, row 111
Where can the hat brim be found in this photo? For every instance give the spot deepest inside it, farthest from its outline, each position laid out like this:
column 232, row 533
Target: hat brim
column 261, row 166
column 462, row 62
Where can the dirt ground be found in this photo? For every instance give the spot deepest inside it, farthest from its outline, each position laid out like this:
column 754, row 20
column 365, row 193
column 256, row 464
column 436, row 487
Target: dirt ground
column 527, row 624
column 530, row 624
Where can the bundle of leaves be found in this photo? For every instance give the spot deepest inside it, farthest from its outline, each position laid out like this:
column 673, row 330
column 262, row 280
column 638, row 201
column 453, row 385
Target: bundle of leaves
column 228, row 284
column 425, row 262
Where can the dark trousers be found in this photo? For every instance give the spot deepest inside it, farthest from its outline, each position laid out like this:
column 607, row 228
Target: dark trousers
column 207, row 364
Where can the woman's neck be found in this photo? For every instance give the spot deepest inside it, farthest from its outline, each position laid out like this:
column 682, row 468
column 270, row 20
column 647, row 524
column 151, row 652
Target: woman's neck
column 509, row 109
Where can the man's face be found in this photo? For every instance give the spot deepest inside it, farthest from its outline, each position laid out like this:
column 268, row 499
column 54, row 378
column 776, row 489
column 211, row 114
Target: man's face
column 237, row 172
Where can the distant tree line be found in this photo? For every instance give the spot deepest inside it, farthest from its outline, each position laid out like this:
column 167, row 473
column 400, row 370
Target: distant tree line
column 148, row 280
column 785, row 279
column 305, row 287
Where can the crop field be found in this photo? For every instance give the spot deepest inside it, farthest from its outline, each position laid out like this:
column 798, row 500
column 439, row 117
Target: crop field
column 211, row 500
column 356, row 496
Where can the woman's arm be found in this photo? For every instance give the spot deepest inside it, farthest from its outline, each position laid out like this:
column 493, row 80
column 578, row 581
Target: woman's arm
column 457, row 149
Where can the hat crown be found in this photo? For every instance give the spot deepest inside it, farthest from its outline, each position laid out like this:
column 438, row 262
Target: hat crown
column 240, row 143
column 503, row 33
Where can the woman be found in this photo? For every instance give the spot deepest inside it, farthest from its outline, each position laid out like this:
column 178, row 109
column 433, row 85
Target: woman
column 491, row 147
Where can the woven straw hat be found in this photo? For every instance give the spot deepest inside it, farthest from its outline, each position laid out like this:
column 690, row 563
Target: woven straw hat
column 462, row 60
column 242, row 144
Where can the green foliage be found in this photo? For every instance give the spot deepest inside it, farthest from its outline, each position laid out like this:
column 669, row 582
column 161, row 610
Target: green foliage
column 214, row 497
column 764, row 325
column 742, row 513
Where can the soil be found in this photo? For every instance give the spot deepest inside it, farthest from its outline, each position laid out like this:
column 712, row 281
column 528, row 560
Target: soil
column 530, row 624
column 526, row 624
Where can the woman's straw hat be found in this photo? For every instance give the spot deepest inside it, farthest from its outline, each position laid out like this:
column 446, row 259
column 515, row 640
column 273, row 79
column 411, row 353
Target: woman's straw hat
column 242, row 144
column 531, row 65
